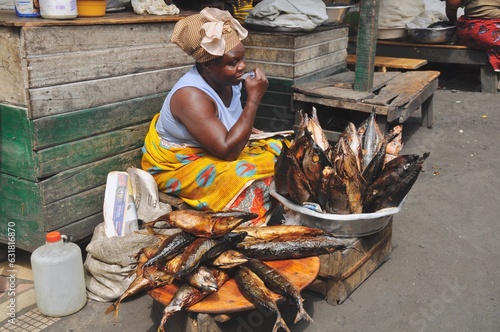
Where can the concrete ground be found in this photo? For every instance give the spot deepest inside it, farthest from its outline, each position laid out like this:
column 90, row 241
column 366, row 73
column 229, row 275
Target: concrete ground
column 443, row 273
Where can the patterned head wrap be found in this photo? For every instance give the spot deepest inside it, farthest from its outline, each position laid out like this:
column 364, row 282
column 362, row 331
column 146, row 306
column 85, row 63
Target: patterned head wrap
column 209, row 34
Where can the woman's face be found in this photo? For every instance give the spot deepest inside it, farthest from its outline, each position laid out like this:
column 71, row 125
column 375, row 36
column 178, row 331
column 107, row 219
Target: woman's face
column 228, row 69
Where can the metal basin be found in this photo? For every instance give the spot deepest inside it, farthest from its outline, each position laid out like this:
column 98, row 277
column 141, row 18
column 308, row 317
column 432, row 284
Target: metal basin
column 432, row 35
column 336, row 13
column 341, row 225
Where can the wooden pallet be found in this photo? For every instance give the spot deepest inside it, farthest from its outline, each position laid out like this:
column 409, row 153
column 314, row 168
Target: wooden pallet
column 341, row 272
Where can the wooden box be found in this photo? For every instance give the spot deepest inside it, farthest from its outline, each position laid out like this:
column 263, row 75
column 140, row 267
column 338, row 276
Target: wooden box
column 341, row 272
column 290, row 58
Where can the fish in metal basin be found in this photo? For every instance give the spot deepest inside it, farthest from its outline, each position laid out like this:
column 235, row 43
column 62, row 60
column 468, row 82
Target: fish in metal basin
column 279, row 284
column 373, row 170
column 254, row 289
column 314, row 127
column 371, row 139
column 351, row 138
column 147, row 278
column 187, row 295
column 313, row 161
column 289, row 247
column 332, row 193
column 394, row 183
column 207, row 224
column 346, row 167
column 395, row 146
column 281, row 171
column 299, row 190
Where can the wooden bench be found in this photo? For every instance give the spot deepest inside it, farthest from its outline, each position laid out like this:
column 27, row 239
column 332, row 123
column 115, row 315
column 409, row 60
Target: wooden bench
column 384, row 62
column 439, row 53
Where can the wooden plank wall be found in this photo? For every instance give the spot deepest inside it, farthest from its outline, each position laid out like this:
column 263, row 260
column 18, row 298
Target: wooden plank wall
column 90, row 93
column 292, row 58
column 12, row 89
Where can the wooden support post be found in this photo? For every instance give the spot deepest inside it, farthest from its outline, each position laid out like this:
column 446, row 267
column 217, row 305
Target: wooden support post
column 366, row 45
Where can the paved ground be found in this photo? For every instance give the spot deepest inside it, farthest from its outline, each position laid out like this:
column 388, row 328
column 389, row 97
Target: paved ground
column 444, row 270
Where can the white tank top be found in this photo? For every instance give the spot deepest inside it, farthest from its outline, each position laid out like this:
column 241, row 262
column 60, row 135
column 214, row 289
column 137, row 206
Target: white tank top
column 173, row 131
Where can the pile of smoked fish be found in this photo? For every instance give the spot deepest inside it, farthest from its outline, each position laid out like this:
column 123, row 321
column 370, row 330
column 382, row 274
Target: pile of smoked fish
column 362, row 173
column 209, row 248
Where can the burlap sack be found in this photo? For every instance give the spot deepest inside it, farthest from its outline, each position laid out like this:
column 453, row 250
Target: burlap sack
column 111, row 263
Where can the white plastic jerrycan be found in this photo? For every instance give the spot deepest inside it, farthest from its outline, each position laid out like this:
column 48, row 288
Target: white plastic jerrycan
column 58, row 276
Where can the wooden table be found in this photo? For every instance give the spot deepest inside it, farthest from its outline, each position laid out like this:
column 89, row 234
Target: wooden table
column 394, row 97
column 229, row 300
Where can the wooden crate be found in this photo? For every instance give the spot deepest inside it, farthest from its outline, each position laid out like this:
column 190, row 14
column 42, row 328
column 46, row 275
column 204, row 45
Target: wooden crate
column 292, row 58
column 342, row 272
column 298, row 56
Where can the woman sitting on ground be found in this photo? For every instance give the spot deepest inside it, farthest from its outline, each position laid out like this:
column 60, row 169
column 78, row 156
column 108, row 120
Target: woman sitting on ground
column 198, row 146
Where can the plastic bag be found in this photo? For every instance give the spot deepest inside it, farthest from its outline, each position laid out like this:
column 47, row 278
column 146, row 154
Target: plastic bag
column 111, row 262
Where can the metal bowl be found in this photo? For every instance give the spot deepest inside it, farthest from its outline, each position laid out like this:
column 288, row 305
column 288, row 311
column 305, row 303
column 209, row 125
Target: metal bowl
column 340, row 225
column 336, row 13
column 432, row 35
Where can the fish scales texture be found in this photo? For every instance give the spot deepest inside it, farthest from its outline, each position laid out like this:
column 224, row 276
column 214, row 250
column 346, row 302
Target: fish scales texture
column 351, row 137
column 208, row 249
column 187, row 295
column 276, row 231
column 395, row 182
column 279, row 284
column 371, row 139
column 300, row 189
column 229, row 259
column 291, row 247
column 170, row 248
column 395, row 146
column 315, row 128
column 313, row 163
column 346, row 166
column 192, row 255
column 202, row 278
column 281, row 171
column 332, row 193
column 254, row 289
column 208, row 224
column 147, row 278
column 374, row 169
column 173, row 265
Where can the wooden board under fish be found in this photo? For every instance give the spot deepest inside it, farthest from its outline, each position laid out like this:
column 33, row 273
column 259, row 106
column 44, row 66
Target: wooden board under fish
column 301, row 272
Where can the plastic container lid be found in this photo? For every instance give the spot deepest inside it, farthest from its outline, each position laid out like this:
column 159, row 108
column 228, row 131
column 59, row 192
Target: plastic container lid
column 53, row 237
